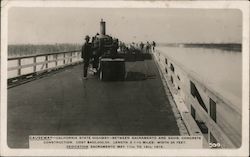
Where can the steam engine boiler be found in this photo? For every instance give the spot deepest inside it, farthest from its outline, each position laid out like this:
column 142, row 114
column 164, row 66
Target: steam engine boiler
column 111, row 65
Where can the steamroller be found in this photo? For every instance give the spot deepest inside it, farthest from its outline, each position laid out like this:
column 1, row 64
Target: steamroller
column 111, row 64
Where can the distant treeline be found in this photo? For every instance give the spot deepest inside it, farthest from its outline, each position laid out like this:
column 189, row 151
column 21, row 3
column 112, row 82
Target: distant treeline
column 30, row 49
column 222, row 46
column 228, row 46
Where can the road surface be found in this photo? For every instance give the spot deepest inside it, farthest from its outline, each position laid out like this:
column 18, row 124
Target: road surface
column 65, row 104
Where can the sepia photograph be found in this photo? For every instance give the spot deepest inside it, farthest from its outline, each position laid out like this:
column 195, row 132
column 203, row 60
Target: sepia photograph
column 102, row 77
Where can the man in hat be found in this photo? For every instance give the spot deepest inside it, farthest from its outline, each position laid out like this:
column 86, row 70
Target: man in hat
column 95, row 53
column 86, row 55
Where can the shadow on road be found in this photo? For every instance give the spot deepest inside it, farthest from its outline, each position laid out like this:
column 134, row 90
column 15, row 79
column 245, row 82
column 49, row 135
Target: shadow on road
column 135, row 76
column 137, row 57
column 138, row 76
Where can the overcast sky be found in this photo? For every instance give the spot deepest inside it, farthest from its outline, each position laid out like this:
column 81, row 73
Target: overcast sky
column 70, row 25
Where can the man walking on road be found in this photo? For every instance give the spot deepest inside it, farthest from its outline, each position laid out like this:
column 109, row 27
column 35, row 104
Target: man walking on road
column 86, row 55
column 148, row 46
column 141, row 46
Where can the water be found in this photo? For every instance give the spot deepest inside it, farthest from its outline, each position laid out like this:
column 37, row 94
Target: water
column 220, row 69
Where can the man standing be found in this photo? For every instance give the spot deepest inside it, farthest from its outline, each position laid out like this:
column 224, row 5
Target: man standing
column 153, row 44
column 141, row 46
column 86, row 55
column 147, row 47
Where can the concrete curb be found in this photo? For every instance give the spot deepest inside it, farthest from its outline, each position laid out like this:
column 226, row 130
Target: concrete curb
column 180, row 123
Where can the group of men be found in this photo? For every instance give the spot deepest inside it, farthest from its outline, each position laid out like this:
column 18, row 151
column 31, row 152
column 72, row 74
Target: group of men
column 148, row 46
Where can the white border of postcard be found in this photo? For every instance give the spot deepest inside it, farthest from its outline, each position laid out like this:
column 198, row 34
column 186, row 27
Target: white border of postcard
column 242, row 5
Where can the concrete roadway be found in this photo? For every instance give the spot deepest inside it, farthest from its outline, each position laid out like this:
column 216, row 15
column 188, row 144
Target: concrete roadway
column 64, row 104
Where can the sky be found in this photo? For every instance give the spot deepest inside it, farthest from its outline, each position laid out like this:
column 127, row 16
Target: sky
column 70, row 25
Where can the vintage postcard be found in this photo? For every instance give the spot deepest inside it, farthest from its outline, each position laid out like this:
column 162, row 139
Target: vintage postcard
column 124, row 78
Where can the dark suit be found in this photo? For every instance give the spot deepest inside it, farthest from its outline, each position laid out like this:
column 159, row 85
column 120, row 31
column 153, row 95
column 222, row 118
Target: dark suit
column 86, row 55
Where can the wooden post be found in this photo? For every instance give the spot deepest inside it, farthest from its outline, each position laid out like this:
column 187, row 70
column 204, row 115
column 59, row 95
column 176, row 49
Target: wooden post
column 19, row 68
column 34, row 67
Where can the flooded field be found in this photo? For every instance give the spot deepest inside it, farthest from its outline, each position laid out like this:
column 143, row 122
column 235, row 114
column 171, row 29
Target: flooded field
column 220, row 69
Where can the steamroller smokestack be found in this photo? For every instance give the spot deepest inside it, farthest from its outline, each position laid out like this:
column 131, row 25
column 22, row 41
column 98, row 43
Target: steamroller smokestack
column 102, row 27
